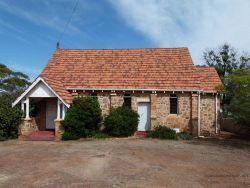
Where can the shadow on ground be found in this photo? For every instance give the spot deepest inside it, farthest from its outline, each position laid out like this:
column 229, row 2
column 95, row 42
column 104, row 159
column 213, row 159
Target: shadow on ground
column 226, row 140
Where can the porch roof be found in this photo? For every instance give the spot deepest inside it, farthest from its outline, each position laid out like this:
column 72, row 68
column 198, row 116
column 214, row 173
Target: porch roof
column 55, row 88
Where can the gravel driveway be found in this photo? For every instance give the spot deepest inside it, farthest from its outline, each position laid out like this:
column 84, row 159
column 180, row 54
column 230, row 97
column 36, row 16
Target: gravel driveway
column 125, row 163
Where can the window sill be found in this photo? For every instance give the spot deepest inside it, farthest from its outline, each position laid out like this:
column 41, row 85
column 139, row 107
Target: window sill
column 173, row 114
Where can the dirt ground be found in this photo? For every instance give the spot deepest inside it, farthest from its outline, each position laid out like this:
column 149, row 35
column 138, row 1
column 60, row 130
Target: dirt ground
column 125, row 163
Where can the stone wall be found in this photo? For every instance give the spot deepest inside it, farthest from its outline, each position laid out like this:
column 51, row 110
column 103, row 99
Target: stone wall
column 58, row 129
column 116, row 100
column 194, row 114
column 104, row 101
column 182, row 120
column 207, row 115
column 137, row 98
column 27, row 126
column 134, row 104
column 154, row 115
column 185, row 120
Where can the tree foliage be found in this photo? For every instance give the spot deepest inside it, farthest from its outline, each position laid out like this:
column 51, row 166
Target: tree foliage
column 121, row 122
column 239, row 106
column 163, row 132
column 12, row 81
column 234, row 71
column 226, row 59
column 10, row 118
column 83, row 118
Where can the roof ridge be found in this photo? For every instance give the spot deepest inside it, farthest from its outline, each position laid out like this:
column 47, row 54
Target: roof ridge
column 139, row 68
column 175, row 48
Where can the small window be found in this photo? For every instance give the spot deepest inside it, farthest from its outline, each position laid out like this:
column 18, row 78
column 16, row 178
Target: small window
column 173, row 104
column 127, row 100
column 61, row 111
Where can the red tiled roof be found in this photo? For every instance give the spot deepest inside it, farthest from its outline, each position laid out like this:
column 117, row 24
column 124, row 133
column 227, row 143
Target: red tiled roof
column 209, row 78
column 59, row 88
column 156, row 69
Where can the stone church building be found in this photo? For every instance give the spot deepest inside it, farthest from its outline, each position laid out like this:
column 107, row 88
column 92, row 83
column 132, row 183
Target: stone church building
column 161, row 84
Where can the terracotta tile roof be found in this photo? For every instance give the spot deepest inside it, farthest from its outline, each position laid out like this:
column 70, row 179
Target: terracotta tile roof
column 155, row 68
column 209, row 78
column 59, row 88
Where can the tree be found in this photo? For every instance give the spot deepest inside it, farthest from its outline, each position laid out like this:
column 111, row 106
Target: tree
column 239, row 106
column 12, row 81
column 10, row 118
column 226, row 59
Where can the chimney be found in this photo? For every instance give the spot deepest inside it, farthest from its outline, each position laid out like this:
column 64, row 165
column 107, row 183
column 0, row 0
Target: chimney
column 57, row 45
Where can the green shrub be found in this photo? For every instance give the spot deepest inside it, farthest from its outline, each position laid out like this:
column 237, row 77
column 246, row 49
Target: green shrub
column 184, row 136
column 83, row 118
column 121, row 122
column 163, row 132
column 10, row 118
column 101, row 135
column 2, row 138
column 69, row 136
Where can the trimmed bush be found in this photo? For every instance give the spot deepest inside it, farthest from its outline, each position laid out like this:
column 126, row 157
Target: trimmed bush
column 163, row 132
column 69, row 136
column 184, row 136
column 83, row 118
column 10, row 118
column 121, row 122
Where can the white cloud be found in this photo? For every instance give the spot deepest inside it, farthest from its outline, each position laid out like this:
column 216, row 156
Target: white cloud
column 52, row 15
column 194, row 23
column 48, row 16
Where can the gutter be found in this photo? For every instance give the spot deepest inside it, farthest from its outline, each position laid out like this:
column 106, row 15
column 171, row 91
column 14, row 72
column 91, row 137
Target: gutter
column 115, row 89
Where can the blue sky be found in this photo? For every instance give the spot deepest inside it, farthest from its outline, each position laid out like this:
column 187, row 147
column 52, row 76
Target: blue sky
column 29, row 29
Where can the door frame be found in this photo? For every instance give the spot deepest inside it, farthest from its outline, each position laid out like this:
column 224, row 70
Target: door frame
column 54, row 102
column 148, row 126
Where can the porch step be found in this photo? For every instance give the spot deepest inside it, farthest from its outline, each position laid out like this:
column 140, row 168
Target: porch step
column 141, row 134
column 41, row 136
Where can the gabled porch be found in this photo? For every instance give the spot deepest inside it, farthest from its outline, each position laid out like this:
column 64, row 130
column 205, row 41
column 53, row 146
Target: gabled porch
column 43, row 110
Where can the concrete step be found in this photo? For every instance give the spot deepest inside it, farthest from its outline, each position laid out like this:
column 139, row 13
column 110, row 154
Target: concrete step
column 41, row 136
column 141, row 134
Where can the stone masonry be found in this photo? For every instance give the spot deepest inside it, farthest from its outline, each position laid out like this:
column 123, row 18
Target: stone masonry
column 185, row 120
column 27, row 126
column 180, row 120
column 104, row 101
column 116, row 100
column 58, row 129
column 208, row 115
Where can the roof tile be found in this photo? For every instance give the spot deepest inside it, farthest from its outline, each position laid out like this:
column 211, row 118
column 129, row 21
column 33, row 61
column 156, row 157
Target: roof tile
column 156, row 68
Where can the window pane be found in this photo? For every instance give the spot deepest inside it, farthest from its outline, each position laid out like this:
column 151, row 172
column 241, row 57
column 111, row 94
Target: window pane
column 60, row 110
column 173, row 104
column 127, row 100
